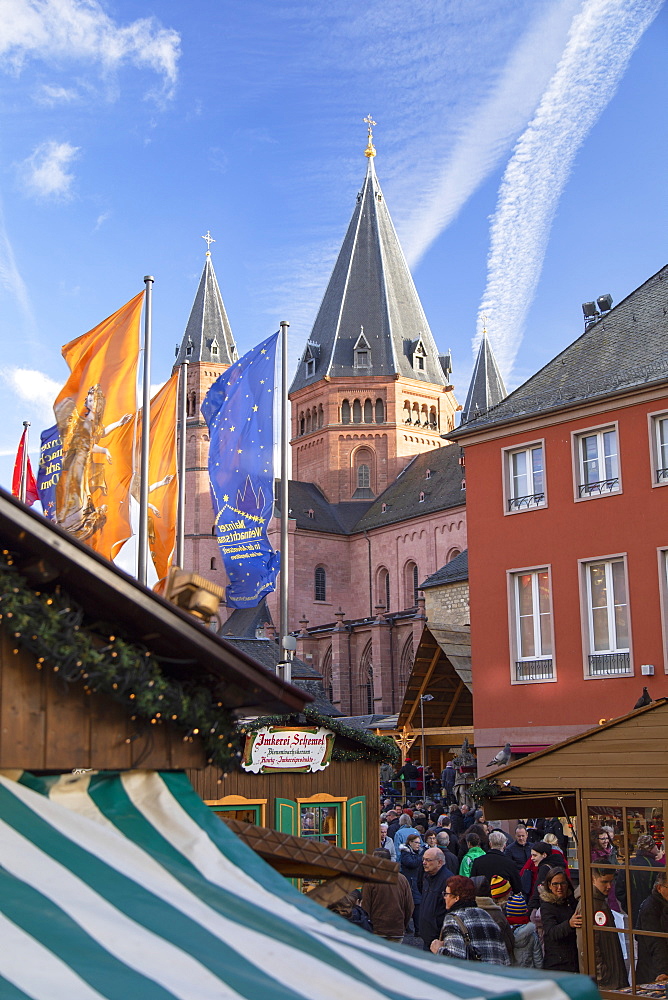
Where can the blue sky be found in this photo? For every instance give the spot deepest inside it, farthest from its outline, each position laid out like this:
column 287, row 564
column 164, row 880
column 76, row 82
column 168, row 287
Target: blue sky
column 521, row 148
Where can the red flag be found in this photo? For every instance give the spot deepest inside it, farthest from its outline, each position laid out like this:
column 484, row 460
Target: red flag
column 24, row 490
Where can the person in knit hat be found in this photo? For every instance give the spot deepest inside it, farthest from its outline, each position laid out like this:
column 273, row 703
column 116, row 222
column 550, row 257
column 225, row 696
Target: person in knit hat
column 485, row 900
column 528, row 953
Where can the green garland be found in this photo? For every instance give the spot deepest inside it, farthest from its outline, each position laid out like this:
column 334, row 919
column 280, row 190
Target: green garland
column 379, row 749
column 52, row 627
column 484, row 788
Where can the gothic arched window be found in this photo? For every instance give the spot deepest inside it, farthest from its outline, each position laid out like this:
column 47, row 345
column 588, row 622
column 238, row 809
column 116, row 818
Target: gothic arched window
column 320, row 589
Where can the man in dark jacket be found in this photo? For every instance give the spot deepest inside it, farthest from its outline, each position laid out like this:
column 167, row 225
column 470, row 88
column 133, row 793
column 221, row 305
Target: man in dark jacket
column 519, row 849
column 610, row 966
column 409, row 773
column 642, row 882
column 495, row 862
column 443, row 842
column 653, row 951
column 432, row 907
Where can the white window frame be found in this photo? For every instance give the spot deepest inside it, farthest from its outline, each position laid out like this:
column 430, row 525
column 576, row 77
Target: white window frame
column 654, row 421
column 507, row 460
column 662, row 557
column 512, row 578
column 578, row 462
column 587, row 621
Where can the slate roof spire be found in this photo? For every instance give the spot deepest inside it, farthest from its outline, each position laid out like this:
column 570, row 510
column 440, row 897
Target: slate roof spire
column 208, row 337
column 370, row 296
column 487, row 387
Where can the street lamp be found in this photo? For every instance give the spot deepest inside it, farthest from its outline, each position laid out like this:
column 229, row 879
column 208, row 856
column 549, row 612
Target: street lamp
column 423, row 698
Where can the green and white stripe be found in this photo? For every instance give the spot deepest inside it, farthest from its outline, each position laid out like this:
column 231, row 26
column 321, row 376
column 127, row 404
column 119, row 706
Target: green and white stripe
column 124, row 885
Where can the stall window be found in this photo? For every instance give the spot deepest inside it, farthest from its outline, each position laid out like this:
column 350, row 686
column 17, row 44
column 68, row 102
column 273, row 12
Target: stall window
column 238, row 807
column 625, row 893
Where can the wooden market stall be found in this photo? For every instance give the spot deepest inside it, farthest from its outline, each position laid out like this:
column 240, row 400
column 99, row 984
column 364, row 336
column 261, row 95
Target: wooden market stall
column 441, row 670
column 338, row 804
column 615, row 775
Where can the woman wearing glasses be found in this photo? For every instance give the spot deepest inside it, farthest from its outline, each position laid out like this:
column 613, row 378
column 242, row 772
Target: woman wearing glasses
column 560, row 921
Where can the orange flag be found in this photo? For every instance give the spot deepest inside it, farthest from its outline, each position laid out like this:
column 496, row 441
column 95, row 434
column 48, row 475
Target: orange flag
column 98, row 399
column 163, row 486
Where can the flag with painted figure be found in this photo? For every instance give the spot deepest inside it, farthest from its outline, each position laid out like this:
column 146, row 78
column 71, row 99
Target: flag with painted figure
column 126, row 885
column 98, row 399
column 49, row 469
column 239, row 411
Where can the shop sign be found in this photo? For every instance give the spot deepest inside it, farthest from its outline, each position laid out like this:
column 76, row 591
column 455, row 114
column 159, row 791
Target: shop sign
column 278, row 748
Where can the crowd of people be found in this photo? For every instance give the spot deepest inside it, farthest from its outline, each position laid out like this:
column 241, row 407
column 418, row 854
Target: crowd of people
column 471, row 892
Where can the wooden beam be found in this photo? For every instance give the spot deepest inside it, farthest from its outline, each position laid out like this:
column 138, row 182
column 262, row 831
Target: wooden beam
column 453, row 703
column 427, row 677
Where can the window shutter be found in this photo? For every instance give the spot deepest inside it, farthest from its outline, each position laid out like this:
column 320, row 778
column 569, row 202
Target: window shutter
column 356, row 824
column 286, row 816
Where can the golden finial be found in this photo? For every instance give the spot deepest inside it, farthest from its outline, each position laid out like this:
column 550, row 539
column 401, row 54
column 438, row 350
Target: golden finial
column 208, row 239
column 484, row 326
column 370, row 149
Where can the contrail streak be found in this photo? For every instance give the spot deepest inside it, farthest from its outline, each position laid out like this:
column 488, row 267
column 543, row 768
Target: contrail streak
column 601, row 41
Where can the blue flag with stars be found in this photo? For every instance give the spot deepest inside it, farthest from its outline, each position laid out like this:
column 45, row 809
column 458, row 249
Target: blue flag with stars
column 239, row 410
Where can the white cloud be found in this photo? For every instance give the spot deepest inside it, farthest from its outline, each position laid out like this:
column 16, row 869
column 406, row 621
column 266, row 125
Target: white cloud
column 57, row 30
column 34, row 388
column 45, row 172
column 601, row 41
column 51, row 95
column 100, row 221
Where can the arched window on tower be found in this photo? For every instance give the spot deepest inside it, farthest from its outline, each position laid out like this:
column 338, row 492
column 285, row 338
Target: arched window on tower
column 416, row 414
column 345, row 412
column 433, row 419
column 357, row 412
column 425, row 416
column 212, row 565
column 320, row 581
column 302, row 422
column 452, row 554
column 407, row 413
column 308, row 421
column 363, row 477
column 368, row 411
column 380, row 411
column 321, row 416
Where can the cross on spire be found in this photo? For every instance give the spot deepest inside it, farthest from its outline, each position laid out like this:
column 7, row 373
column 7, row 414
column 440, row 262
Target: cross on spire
column 370, row 150
column 208, row 239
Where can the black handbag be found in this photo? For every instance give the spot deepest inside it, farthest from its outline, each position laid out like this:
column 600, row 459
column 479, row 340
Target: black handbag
column 472, row 953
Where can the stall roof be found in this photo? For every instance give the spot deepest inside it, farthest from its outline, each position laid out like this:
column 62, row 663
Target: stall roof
column 628, row 752
column 126, row 885
column 442, row 668
column 49, row 556
column 305, row 857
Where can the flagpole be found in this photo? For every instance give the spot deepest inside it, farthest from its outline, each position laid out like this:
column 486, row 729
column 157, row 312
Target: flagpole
column 283, row 592
column 24, row 463
column 181, row 516
column 142, row 560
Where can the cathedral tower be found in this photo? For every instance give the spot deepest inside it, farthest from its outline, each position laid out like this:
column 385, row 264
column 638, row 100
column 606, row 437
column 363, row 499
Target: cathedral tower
column 371, row 390
column 208, row 347
column 487, row 387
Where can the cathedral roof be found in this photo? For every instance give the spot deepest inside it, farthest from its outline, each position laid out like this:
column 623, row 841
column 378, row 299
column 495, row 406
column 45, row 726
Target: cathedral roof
column 626, row 348
column 371, row 321
column 487, row 387
column 208, row 335
column 430, row 482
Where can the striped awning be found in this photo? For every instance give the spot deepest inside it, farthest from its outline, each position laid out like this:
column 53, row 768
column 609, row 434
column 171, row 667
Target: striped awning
column 125, row 886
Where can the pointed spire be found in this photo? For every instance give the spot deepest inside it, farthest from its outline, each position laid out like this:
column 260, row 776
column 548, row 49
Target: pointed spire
column 208, row 337
column 487, row 387
column 371, row 288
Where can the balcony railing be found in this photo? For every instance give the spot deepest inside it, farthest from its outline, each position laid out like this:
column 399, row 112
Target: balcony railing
column 661, row 475
column 534, row 670
column 598, row 489
column 525, row 503
column 609, row 664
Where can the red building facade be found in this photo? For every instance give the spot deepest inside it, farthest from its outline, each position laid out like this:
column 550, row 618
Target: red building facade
column 568, row 533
